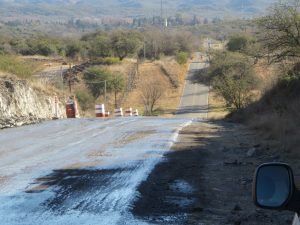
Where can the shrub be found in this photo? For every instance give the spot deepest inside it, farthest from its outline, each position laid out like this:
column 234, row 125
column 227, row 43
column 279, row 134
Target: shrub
column 111, row 60
column 182, row 57
column 233, row 78
column 85, row 100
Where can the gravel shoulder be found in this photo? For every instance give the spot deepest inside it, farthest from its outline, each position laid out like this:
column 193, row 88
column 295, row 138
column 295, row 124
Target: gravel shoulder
column 207, row 179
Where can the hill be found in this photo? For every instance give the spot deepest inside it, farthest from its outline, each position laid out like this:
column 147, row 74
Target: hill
column 132, row 8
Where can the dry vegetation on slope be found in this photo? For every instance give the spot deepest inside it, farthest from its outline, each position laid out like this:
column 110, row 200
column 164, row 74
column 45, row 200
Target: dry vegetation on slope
column 160, row 71
column 167, row 72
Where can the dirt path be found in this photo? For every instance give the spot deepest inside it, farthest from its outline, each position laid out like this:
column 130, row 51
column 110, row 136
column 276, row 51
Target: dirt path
column 207, row 179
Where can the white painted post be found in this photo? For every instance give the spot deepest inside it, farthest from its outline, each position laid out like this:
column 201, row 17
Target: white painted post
column 55, row 106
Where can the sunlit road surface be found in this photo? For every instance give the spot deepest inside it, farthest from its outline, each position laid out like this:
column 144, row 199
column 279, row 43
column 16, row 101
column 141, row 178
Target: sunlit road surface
column 79, row 172
column 194, row 101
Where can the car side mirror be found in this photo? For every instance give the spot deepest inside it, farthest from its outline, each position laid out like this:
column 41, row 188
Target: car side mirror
column 274, row 187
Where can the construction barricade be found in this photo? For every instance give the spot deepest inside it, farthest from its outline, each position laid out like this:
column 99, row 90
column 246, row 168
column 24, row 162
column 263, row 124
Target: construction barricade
column 119, row 112
column 100, row 110
column 136, row 112
column 128, row 112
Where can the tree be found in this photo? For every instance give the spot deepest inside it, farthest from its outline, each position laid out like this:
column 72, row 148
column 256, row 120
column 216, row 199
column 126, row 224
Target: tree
column 246, row 44
column 151, row 92
column 85, row 100
column 233, row 78
column 179, row 19
column 72, row 49
column 101, row 46
column 125, row 43
column 95, row 80
column 117, row 84
column 238, row 42
column 166, row 42
column 280, row 31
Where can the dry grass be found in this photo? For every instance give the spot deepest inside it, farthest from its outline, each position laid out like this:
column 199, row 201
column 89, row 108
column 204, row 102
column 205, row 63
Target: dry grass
column 276, row 115
column 45, row 88
column 168, row 104
column 16, row 68
column 281, row 127
column 7, row 76
column 20, row 67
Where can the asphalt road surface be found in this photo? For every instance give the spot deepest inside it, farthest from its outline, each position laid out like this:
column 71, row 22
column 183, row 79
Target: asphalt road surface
column 79, row 171
column 87, row 171
column 194, row 101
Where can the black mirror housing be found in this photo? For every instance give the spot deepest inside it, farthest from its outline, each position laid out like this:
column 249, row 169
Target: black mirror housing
column 274, row 187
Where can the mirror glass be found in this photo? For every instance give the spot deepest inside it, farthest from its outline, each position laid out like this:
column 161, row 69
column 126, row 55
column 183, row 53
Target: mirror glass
column 273, row 186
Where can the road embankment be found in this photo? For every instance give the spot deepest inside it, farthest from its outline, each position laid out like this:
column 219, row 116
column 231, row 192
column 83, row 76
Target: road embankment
column 207, row 179
column 21, row 104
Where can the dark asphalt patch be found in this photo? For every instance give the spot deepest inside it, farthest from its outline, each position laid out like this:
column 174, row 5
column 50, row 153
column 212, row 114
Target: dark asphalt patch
column 74, row 186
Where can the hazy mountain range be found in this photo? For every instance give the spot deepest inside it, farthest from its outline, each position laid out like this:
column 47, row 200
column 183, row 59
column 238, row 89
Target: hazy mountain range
column 97, row 8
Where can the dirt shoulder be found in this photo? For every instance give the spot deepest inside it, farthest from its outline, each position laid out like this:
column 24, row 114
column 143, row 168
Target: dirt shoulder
column 207, row 179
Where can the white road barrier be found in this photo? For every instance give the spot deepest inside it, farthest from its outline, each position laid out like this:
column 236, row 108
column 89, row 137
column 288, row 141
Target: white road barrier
column 100, row 110
column 136, row 113
column 128, row 112
column 118, row 112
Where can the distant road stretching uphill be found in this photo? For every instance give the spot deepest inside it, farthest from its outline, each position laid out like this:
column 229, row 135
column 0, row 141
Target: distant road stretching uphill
column 194, row 101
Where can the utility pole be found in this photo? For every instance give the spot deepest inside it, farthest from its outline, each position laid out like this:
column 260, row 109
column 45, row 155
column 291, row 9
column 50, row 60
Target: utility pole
column 144, row 48
column 162, row 21
column 105, row 87
column 62, row 82
column 105, row 92
column 161, row 10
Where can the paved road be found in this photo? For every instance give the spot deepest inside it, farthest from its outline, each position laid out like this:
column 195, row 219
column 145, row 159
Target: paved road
column 194, row 101
column 80, row 172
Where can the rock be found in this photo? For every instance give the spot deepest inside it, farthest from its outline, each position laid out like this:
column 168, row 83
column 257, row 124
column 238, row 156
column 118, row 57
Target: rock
column 234, row 163
column 237, row 208
column 251, row 152
column 245, row 181
column 225, row 149
column 197, row 209
column 21, row 104
column 275, row 157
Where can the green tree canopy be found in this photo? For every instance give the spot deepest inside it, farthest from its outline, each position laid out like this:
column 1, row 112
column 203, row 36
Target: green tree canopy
column 233, row 78
column 72, row 49
column 125, row 43
column 117, row 84
column 95, row 80
column 239, row 42
column 101, row 46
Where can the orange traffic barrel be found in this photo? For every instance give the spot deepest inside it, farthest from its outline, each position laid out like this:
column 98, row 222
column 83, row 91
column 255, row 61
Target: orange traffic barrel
column 70, row 110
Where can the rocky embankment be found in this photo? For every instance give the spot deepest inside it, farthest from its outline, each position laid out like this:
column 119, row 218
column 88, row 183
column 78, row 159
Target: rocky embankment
column 21, row 104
